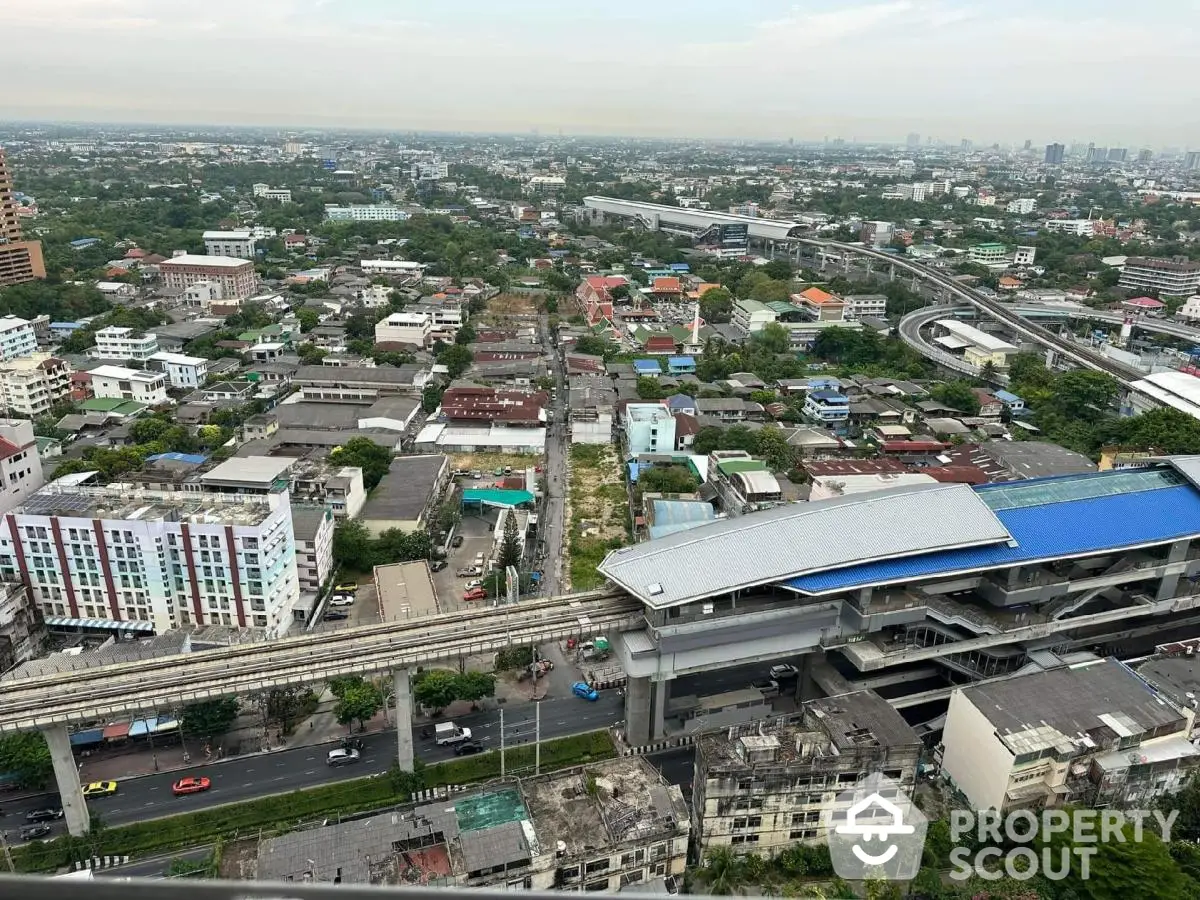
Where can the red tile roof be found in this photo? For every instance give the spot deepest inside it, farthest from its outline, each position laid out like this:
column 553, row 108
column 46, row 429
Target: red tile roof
column 667, row 285
column 8, row 448
column 482, row 404
column 854, row 467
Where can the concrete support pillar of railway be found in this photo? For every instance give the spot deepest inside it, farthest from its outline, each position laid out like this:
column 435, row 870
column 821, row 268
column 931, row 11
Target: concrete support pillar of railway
column 402, row 689
column 637, row 711
column 891, row 273
column 66, row 775
column 662, row 690
column 806, row 685
column 1169, row 585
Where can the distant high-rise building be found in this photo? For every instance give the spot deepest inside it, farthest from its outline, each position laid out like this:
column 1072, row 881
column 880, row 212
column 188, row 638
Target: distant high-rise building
column 1117, row 154
column 1028, row 144
column 1192, row 160
column 20, row 260
column 914, row 140
column 1145, row 155
column 1096, row 154
column 1054, row 154
column 967, row 145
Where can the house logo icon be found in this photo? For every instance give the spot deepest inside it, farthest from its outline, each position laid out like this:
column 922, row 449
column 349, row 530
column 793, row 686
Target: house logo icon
column 875, row 831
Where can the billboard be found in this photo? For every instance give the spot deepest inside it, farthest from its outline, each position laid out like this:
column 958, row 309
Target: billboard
column 329, row 165
column 734, row 235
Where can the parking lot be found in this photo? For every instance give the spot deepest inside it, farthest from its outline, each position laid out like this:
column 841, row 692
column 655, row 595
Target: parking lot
column 477, row 538
column 365, row 610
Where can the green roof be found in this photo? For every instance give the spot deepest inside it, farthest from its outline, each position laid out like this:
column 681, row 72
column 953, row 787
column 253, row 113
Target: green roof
column 781, row 307
column 991, row 246
column 489, row 810
column 113, row 405
column 730, row 466
column 496, row 497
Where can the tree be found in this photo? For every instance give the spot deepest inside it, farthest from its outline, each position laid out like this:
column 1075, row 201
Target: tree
column 510, row 543
column 666, row 480
column 353, row 547
column 26, row 755
column 778, row 269
column 649, row 389
column 435, row 689
column 475, row 686
column 456, row 358
column 1084, row 394
column 308, row 318
column 209, row 718
column 310, row 354
column 771, row 444
column 431, row 397
column 358, row 703
column 773, row 338
column 957, row 394
column 593, row 345
column 365, row 454
column 466, row 334
column 723, row 872
column 285, row 706
column 716, row 306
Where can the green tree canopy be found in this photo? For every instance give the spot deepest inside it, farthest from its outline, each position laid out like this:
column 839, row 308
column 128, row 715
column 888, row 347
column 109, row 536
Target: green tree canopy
column 510, row 543
column 26, row 755
column 456, row 358
column 209, row 718
column 358, row 703
column 364, row 454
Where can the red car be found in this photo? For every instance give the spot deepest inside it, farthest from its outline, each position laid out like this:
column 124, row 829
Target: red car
column 475, row 594
column 190, row 786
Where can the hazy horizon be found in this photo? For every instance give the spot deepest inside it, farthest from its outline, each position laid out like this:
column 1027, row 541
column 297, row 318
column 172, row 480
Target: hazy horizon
column 768, row 70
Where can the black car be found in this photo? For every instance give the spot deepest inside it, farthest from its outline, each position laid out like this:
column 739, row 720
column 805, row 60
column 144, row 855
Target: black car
column 335, row 615
column 354, row 744
column 32, row 832
column 466, row 748
column 43, row 815
column 458, row 541
column 437, row 565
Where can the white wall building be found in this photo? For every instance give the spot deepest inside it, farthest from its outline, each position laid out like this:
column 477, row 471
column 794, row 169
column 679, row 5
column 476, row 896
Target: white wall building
column 859, row 306
column 1078, row 227
column 429, row 170
column 117, row 342
column 1190, row 309
column 1023, row 206
column 119, row 383
column 1024, row 256
column 1173, row 277
column 31, row 385
column 313, row 527
column 375, row 296
column 183, row 372
column 391, row 267
column 168, row 558
column 17, row 337
column 282, row 195
column 649, row 428
column 20, row 466
column 382, row 212
column 404, row 328
column 229, row 243
column 201, row 294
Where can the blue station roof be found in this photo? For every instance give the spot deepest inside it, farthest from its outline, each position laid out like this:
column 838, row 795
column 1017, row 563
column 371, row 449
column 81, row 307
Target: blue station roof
column 1048, row 518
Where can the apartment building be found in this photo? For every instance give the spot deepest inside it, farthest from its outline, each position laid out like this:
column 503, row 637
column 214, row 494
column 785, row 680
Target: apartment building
column 649, row 428
column 119, row 383
column 171, row 559
column 20, row 260
column 612, row 826
column 229, row 243
column 382, row 212
column 994, row 256
column 20, row 466
column 1077, row 227
column 827, row 408
column 235, row 276
column 751, row 315
column 1022, row 206
column 183, row 372
column 1024, row 256
column 313, row 528
column 876, row 234
column 761, row 787
column 1172, row 277
column 862, row 306
column 22, row 628
column 266, row 192
column 32, row 385
column 17, row 338
column 1092, row 734
column 820, row 306
column 404, row 328
column 116, row 342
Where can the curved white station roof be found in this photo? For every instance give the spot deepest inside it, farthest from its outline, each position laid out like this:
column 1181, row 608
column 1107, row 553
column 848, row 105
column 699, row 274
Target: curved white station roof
column 772, row 229
column 802, row 538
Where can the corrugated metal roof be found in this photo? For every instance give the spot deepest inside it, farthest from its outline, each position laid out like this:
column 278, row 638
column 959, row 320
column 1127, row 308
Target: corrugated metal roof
column 803, row 538
column 1052, row 530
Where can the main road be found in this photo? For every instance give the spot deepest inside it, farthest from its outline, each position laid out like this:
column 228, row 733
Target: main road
column 248, row 777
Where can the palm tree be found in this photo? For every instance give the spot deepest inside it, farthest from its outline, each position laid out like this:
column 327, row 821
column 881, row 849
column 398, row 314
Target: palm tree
column 988, row 372
column 723, row 872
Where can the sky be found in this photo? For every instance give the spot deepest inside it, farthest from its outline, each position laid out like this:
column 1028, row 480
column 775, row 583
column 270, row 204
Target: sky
column 1116, row 73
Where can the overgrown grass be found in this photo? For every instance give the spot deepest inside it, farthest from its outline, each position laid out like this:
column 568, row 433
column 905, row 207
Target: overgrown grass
column 598, row 500
column 284, row 812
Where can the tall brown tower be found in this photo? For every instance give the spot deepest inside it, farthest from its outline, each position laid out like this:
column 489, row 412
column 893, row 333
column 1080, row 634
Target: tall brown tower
column 20, row 260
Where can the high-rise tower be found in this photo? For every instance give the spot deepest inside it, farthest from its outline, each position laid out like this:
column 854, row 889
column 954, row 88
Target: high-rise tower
column 20, row 260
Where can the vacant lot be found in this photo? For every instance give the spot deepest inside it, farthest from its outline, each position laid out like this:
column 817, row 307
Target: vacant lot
column 597, row 510
column 512, row 305
column 490, row 462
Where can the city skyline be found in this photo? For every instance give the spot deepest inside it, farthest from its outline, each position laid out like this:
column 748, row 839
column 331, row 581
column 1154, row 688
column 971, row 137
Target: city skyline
column 777, row 71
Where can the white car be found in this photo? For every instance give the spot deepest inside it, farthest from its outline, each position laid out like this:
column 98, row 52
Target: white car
column 342, row 600
column 473, row 584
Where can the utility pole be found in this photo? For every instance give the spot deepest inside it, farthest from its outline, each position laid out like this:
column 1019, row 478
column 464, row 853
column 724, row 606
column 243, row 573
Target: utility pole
column 537, row 739
column 502, row 742
column 8, row 860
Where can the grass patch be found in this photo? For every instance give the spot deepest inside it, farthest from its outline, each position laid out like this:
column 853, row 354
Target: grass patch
column 597, row 510
column 284, row 812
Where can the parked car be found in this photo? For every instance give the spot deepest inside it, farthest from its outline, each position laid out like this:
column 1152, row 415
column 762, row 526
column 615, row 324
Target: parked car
column 342, row 600
column 475, row 594
column 190, row 786
column 466, row 748
column 499, row 473
column 100, row 789
column 461, row 473
column 47, row 814
column 33, row 832
column 335, row 615
column 457, row 541
column 585, row 691
column 354, row 744
column 341, row 757
column 469, row 572
column 437, row 565
column 768, row 686
column 349, row 587
column 785, row 672
column 476, row 475
column 474, row 583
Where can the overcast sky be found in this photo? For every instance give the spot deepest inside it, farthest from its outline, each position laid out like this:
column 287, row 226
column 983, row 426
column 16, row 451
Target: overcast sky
column 1117, row 73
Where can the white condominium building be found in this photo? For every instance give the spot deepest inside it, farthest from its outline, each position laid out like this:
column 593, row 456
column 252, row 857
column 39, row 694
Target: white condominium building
column 119, row 383
column 17, row 337
column 116, row 342
column 31, row 385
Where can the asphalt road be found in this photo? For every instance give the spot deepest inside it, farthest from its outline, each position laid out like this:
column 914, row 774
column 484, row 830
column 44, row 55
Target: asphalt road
column 247, row 777
column 154, row 866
